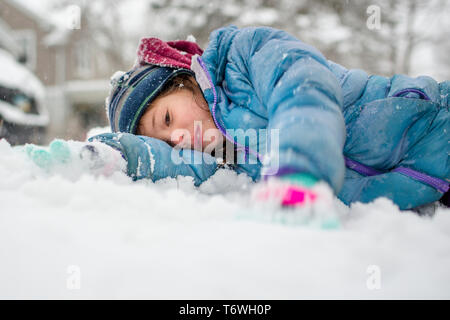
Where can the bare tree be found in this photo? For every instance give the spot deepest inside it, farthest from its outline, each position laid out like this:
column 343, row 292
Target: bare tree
column 338, row 28
column 405, row 24
column 101, row 27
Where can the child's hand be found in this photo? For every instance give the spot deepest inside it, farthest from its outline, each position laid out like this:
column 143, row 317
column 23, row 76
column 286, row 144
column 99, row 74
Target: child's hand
column 136, row 152
column 300, row 191
column 155, row 159
column 289, row 190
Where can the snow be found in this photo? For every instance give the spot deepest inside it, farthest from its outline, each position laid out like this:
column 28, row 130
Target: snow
column 16, row 76
column 69, row 232
column 116, row 76
column 97, row 130
column 13, row 75
column 14, row 115
column 191, row 38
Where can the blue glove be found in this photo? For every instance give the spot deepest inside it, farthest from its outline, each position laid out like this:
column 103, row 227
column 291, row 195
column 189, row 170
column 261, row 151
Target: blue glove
column 155, row 159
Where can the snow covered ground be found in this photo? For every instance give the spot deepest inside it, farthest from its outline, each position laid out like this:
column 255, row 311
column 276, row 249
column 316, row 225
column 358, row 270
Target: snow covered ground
column 72, row 233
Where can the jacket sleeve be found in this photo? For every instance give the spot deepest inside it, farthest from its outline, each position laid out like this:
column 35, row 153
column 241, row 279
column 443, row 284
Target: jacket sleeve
column 301, row 98
column 404, row 191
column 150, row 158
column 172, row 162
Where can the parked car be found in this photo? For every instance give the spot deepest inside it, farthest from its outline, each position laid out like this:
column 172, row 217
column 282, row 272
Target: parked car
column 23, row 116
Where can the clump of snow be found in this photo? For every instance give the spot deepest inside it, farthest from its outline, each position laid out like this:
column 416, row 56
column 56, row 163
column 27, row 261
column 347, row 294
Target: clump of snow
column 152, row 159
column 116, row 76
column 112, row 83
column 97, row 130
column 15, row 76
column 69, row 233
column 191, row 38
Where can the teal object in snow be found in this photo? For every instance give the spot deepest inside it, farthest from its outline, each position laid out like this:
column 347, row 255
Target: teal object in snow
column 58, row 152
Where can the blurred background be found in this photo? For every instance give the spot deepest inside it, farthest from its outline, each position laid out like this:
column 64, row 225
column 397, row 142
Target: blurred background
column 56, row 57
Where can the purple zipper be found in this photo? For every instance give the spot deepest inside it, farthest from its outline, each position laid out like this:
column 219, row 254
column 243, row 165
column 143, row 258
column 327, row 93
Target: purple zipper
column 439, row 184
column 360, row 168
column 420, row 93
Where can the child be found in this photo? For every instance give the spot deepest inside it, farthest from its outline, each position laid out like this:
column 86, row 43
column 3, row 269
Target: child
column 365, row 136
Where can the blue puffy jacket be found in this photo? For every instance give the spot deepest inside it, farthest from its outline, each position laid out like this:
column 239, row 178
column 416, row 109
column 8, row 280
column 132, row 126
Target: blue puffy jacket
column 328, row 116
column 366, row 136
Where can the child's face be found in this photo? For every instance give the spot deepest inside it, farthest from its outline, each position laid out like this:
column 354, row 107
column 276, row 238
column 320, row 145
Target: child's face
column 172, row 119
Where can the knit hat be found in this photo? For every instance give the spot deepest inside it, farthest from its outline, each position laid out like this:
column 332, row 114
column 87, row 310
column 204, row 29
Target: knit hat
column 157, row 63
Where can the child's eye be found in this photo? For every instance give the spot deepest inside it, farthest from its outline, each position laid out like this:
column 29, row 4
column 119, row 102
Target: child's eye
column 167, row 119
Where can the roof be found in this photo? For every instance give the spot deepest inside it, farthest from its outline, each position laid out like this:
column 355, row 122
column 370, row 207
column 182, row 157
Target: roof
column 32, row 13
column 57, row 32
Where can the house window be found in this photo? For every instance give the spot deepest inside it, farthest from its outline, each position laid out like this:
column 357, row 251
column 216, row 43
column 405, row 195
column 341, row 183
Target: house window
column 27, row 42
column 83, row 59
